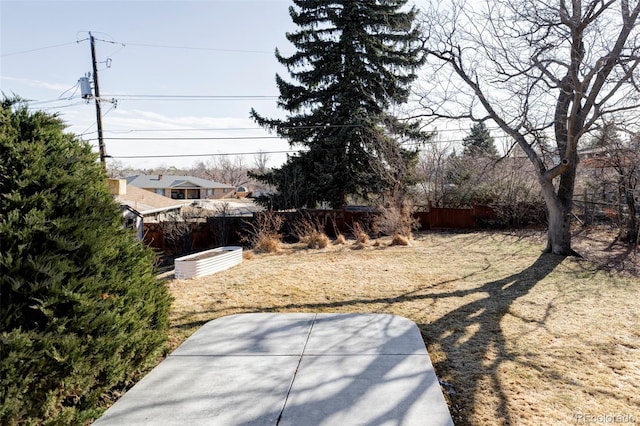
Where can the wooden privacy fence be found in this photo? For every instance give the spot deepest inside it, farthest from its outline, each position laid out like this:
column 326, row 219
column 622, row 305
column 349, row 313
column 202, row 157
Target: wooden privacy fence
column 438, row 217
column 173, row 239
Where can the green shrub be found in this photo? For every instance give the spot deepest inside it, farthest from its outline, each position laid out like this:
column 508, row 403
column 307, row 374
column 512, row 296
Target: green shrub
column 81, row 312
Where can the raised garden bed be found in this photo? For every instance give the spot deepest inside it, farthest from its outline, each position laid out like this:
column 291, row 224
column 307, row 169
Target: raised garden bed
column 207, row 262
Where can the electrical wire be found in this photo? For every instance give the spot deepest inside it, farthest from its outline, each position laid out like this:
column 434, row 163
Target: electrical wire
column 87, row 132
column 76, row 86
column 53, row 46
column 192, row 138
column 214, row 129
column 60, row 106
column 211, row 49
column 48, row 101
column 433, row 142
column 124, row 44
column 210, row 129
column 202, row 155
column 191, row 97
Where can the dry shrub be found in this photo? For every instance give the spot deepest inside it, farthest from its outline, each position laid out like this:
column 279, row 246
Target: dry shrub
column 318, row 240
column 396, row 220
column 268, row 244
column 399, row 240
column 361, row 236
column 311, row 232
column 264, row 232
column 340, row 240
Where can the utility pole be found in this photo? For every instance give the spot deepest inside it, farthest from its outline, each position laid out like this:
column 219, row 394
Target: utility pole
column 103, row 153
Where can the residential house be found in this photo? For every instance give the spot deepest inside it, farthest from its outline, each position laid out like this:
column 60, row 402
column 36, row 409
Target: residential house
column 181, row 187
column 138, row 206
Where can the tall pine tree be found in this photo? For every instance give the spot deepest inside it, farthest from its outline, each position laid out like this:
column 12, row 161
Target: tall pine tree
column 355, row 60
column 479, row 142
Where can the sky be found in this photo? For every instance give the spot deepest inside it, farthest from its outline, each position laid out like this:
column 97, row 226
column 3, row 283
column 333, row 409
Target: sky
column 171, row 66
column 184, row 74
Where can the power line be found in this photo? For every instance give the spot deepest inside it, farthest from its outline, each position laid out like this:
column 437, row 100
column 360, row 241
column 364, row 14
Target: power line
column 61, row 106
column 217, row 129
column 202, row 155
column 208, row 129
column 165, row 98
column 38, row 49
column 432, row 142
column 211, row 49
column 204, row 138
column 124, row 44
column 191, row 97
column 35, row 102
column 232, row 129
column 216, row 154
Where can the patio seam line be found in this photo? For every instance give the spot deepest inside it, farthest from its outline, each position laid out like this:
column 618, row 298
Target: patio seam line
column 295, row 373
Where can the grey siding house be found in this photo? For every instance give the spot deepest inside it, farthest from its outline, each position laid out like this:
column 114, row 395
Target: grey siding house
column 181, row 187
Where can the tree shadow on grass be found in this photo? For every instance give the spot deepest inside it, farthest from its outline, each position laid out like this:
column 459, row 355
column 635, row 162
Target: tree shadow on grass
column 473, row 343
column 469, row 337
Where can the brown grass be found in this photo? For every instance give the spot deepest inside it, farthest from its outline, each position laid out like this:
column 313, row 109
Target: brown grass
column 516, row 337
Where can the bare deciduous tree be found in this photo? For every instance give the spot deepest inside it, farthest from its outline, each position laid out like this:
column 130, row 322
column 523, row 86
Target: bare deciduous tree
column 223, row 169
column 536, row 68
column 616, row 165
column 260, row 161
column 432, row 174
column 232, row 172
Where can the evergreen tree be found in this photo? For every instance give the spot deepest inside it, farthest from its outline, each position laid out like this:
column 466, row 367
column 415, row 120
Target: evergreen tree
column 81, row 313
column 355, row 59
column 607, row 136
column 479, row 142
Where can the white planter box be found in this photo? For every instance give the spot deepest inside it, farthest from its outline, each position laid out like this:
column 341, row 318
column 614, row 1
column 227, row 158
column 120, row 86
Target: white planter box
column 207, row 262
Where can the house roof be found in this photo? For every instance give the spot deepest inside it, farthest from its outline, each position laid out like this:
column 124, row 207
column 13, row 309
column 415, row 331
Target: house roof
column 172, row 181
column 146, row 202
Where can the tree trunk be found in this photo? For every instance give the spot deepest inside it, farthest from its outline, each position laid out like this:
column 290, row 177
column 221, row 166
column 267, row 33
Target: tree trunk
column 559, row 218
column 632, row 224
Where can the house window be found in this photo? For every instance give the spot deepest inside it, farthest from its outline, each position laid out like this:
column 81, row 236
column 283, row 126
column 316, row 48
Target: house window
column 193, row 194
column 159, row 191
column 130, row 222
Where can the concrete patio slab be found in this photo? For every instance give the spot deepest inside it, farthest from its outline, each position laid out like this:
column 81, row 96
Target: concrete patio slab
column 250, row 334
column 364, row 334
column 366, row 390
column 205, row 390
column 291, row 369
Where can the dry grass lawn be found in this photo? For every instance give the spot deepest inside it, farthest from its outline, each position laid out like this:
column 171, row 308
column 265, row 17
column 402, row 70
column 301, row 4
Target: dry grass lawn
column 516, row 337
